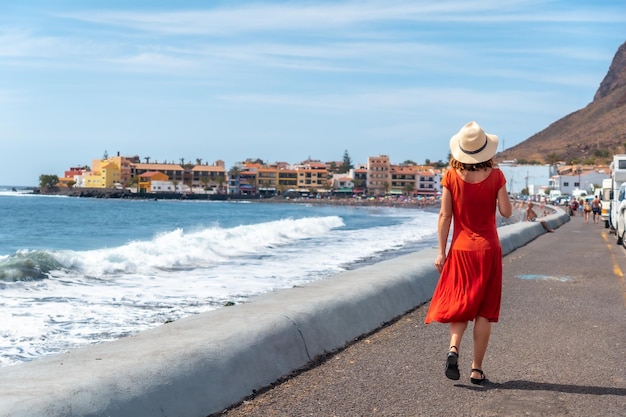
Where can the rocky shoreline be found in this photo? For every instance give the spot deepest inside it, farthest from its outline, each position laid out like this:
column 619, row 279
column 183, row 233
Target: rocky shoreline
column 399, row 201
column 127, row 194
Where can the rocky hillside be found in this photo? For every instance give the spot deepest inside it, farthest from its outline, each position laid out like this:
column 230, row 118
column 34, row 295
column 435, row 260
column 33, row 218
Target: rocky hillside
column 588, row 136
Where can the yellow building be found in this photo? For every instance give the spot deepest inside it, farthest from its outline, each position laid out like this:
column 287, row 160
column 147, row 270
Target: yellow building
column 276, row 179
column 287, row 180
column 104, row 174
column 124, row 165
column 267, row 179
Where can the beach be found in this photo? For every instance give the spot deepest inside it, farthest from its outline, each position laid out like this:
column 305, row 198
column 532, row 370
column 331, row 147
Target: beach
column 80, row 271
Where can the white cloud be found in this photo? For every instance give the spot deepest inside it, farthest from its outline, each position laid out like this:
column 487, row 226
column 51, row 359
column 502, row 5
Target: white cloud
column 12, row 98
column 337, row 15
column 154, row 61
column 417, row 101
column 22, row 44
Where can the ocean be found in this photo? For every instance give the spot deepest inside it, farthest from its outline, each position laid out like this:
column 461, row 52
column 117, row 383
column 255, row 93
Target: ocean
column 77, row 271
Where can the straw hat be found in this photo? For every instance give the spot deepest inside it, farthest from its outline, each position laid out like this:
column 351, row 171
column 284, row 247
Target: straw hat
column 472, row 145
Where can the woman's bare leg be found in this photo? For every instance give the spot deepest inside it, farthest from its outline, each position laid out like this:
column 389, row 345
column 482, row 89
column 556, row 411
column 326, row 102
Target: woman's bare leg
column 456, row 334
column 452, row 358
column 482, row 332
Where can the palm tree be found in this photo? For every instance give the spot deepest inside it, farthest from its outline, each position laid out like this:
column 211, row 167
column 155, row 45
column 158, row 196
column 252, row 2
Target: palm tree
column 252, row 181
column 233, row 174
column 220, row 181
column 205, row 182
column 234, row 171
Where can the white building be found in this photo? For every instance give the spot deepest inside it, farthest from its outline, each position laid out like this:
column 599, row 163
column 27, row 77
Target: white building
column 428, row 182
column 167, row 187
column 342, row 183
column 584, row 180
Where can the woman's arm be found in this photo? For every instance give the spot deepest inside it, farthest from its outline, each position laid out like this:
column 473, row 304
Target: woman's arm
column 445, row 219
column 504, row 202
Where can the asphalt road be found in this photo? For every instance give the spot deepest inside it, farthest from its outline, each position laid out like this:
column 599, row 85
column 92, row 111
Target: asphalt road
column 558, row 349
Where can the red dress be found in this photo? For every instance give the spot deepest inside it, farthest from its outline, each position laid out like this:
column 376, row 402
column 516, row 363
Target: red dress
column 470, row 284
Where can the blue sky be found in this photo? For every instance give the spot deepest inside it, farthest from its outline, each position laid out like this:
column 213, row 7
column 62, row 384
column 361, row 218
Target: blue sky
column 288, row 80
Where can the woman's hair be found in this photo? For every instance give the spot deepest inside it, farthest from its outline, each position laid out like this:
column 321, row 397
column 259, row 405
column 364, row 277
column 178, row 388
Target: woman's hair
column 471, row 167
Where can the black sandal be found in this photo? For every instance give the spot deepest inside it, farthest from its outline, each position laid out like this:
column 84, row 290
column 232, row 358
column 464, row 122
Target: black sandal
column 481, row 380
column 452, row 364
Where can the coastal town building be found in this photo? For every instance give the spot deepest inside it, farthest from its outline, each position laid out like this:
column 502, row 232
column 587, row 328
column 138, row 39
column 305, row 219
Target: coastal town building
column 103, row 174
column 280, row 178
column 122, row 172
column 359, row 177
column 343, row 184
column 123, row 164
column 415, row 180
column 72, row 176
column 402, row 179
column 312, row 177
column 154, row 181
column 577, row 177
column 287, row 180
column 208, row 177
column 538, row 180
column 377, row 177
column 267, row 178
column 429, row 182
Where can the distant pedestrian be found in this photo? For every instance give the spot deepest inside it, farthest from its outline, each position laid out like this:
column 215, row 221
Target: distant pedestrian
column 580, row 206
column 596, row 208
column 586, row 210
column 470, row 284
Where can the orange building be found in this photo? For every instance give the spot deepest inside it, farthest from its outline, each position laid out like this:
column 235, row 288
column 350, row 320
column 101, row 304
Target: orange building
column 146, row 180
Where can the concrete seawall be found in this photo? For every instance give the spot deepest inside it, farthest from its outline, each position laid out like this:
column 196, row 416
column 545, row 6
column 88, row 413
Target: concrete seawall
column 202, row 364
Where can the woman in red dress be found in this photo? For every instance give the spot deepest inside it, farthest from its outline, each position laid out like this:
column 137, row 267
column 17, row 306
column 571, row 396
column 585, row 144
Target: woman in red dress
column 470, row 285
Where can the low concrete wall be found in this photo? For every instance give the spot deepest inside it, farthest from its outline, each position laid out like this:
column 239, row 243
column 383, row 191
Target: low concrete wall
column 202, row 364
column 516, row 235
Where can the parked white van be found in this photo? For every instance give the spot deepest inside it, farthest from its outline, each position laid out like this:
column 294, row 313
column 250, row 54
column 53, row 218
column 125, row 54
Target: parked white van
column 554, row 195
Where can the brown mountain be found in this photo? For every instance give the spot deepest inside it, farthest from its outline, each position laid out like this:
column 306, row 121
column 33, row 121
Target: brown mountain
column 588, row 136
